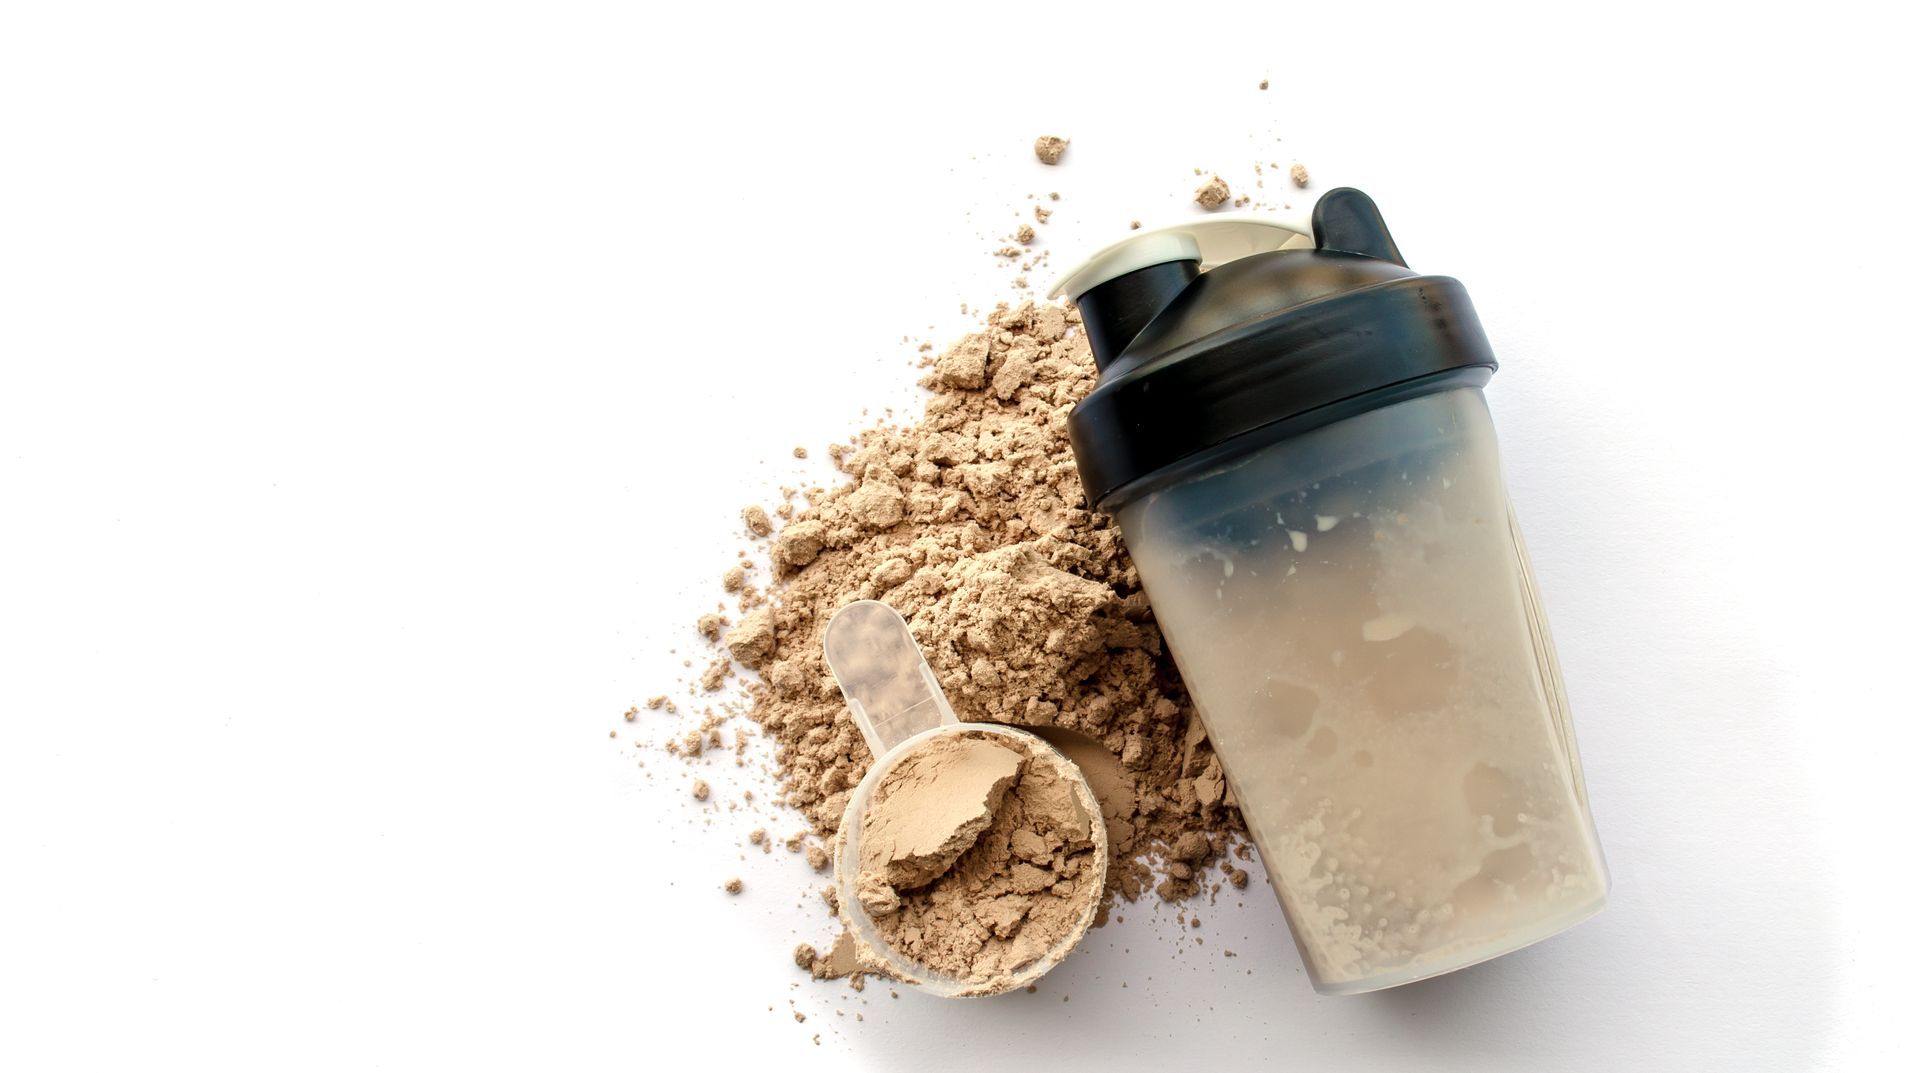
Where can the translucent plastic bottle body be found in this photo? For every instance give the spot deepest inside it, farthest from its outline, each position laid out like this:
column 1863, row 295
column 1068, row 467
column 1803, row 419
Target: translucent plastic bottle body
column 1355, row 617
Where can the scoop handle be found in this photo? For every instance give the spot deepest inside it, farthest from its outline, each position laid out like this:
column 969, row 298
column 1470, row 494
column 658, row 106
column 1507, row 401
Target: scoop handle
column 881, row 672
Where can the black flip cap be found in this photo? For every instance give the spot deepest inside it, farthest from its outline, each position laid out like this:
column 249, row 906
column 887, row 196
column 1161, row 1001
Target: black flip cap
column 1198, row 367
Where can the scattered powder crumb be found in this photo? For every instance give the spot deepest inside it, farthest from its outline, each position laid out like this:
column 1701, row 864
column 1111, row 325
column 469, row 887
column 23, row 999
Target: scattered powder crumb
column 1299, row 174
column 757, row 521
column 801, row 1018
column 1133, row 225
column 734, row 579
column 758, row 836
column 1040, row 214
column 1049, row 148
column 817, row 858
column 734, row 886
column 710, row 627
column 630, row 714
column 1053, row 195
column 1007, row 251
column 840, row 962
column 804, row 955
column 656, row 703
column 1213, row 193
column 799, row 452
column 701, row 789
column 1263, row 83
column 711, row 679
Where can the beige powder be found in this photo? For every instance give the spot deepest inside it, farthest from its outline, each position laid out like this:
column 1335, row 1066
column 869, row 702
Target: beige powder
column 757, row 521
column 1049, row 148
column 977, row 857
column 839, row 961
column 928, row 811
column 971, row 522
column 1213, row 193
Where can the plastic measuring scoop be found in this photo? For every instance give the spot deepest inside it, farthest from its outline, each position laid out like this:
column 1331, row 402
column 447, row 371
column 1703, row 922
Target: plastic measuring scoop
column 898, row 704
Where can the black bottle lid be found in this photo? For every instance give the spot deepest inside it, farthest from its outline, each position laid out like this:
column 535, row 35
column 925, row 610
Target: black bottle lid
column 1275, row 338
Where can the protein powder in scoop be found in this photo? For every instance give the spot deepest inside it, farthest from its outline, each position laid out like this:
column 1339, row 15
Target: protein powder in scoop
column 978, row 856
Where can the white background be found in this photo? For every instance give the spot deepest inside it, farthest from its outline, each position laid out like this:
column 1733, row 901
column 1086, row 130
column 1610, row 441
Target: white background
column 379, row 385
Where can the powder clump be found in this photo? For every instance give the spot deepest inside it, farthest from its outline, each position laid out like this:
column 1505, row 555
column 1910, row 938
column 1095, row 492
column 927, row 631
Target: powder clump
column 1049, row 148
column 877, row 504
column 757, row 521
column 964, row 364
column 840, row 961
column 799, row 543
column 929, row 810
column 752, row 640
column 1213, row 193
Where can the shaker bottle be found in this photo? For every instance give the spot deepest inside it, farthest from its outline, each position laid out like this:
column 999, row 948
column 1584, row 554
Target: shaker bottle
column 1295, row 444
